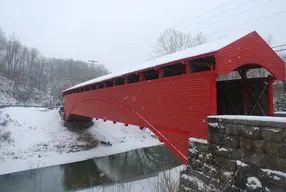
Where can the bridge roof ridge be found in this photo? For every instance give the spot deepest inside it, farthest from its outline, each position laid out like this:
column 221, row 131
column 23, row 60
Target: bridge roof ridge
column 209, row 47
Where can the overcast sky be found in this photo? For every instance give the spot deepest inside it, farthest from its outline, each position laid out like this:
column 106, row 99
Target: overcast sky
column 119, row 33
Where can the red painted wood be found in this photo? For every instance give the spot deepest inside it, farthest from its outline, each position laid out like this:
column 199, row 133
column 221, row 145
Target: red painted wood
column 141, row 76
column 251, row 49
column 160, row 73
column 177, row 107
column 187, row 67
column 213, row 91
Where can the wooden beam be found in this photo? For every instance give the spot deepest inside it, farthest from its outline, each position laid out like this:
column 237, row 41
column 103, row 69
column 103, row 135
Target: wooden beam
column 214, row 93
column 258, row 99
column 141, row 77
column 161, row 72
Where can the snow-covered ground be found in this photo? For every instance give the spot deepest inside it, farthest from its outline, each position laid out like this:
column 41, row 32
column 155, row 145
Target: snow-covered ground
column 36, row 137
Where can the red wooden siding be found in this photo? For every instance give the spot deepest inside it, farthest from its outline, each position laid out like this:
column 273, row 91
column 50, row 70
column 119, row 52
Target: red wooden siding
column 251, row 49
column 175, row 106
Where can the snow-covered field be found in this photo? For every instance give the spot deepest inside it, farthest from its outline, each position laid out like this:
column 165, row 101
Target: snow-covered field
column 36, row 137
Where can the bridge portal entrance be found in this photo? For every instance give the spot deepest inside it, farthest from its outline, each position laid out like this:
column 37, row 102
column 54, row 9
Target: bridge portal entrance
column 246, row 91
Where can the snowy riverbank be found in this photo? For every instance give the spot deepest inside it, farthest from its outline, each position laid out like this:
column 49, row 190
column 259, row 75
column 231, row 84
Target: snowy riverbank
column 35, row 137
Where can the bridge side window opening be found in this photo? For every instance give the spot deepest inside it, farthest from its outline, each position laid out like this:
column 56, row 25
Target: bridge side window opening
column 202, row 64
column 100, row 85
column 86, row 88
column 119, row 81
column 109, row 83
column 173, row 70
column 133, row 78
column 93, row 87
column 150, row 75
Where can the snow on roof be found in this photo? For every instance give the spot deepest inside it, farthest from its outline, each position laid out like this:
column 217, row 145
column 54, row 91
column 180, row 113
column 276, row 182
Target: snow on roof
column 187, row 53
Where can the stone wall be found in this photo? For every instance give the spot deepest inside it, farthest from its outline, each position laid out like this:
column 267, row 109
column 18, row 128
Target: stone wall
column 242, row 153
column 280, row 114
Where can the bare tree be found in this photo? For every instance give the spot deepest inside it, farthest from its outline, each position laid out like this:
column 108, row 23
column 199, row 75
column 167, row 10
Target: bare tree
column 31, row 72
column 199, row 39
column 12, row 57
column 269, row 40
column 171, row 41
column 3, row 40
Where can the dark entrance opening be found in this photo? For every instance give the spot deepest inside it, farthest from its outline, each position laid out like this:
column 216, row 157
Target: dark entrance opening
column 243, row 94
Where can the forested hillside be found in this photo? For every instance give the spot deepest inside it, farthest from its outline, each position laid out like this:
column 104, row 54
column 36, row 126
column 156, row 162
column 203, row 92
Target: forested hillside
column 26, row 73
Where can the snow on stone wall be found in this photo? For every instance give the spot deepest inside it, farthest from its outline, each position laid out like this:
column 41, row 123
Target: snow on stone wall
column 280, row 114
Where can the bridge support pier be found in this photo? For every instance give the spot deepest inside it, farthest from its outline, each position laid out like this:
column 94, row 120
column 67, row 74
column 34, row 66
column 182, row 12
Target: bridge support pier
column 77, row 122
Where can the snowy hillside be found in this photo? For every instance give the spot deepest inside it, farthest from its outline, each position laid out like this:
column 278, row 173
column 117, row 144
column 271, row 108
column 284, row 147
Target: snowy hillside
column 11, row 95
column 35, row 137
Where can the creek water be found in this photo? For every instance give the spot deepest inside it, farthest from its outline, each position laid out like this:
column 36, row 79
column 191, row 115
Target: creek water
column 123, row 167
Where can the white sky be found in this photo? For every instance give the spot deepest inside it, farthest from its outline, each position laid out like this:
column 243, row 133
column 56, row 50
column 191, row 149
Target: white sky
column 120, row 33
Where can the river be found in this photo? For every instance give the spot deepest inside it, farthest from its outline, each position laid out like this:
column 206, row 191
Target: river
column 123, row 167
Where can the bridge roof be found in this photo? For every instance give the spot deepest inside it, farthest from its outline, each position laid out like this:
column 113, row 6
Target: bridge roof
column 206, row 48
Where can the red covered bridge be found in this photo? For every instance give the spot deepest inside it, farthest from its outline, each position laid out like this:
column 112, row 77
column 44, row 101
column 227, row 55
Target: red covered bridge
column 174, row 94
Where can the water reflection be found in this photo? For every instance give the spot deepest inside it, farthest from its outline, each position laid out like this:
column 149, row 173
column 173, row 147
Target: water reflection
column 46, row 179
column 141, row 162
column 82, row 175
column 128, row 166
